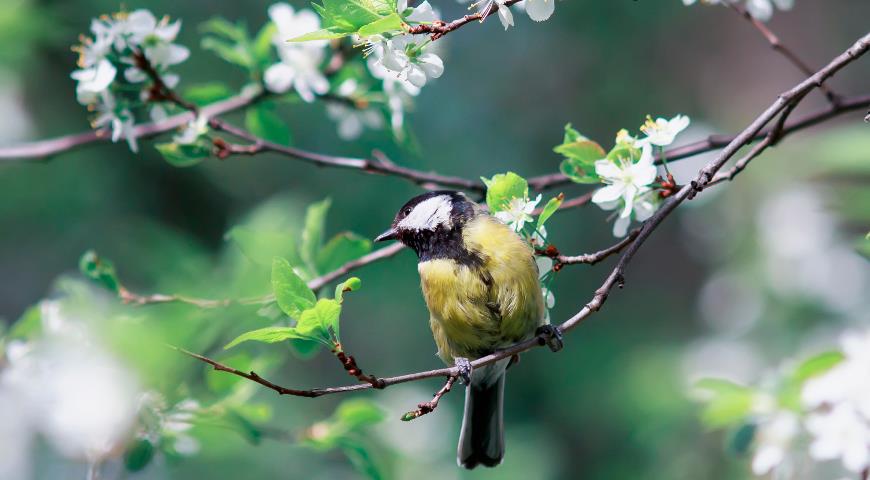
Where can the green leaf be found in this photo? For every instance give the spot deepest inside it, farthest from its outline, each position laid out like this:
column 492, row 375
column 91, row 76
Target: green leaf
column 266, row 335
column 317, row 322
column 183, row 155
column 741, row 439
column 312, row 233
column 99, row 270
column 549, row 209
column 502, row 188
column 390, row 23
column 245, row 427
column 262, row 48
column 28, row 326
column 138, row 455
column 206, row 93
column 233, row 53
column 305, row 349
column 352, row 284
column 262, row 121
column 572, row 135
column 261, row 246
column 358, row 413
column 291, row 292
column 730, row 403
column 817, row 365
column 222, row 27
column 341, row 249
column 322, row 34
column 580, row 156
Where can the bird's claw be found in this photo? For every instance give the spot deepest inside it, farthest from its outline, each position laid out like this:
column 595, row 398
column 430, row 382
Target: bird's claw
column 550, row 336
column 465, row 369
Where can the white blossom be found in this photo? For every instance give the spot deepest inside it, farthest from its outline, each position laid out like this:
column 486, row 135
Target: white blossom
column 627, row 187
column 518, row 212
column 300, row 63
column 423, row 13
column 94, row 80
column 760, row 9
column 406, row 60
column 352, row 121
column 191, row 132
column 840, row 433
column 540, row 10
column 774, row 438
column 662, row 132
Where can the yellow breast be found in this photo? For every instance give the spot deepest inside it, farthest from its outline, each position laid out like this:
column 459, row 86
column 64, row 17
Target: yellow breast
column 476, row 309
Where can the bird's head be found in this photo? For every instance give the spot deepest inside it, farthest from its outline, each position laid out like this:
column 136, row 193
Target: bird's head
column 431, row 220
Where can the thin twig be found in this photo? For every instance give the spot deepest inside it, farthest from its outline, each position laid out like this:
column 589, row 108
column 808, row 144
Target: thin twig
column 593, row 258
column 616, row 277
column 716, row 142
column 430, row 406
column 778, row 46
column 259, row 145
column 439, row 29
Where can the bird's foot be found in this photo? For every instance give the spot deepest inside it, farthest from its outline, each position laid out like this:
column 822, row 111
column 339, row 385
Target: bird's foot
column 550, row 336
column 465, row 369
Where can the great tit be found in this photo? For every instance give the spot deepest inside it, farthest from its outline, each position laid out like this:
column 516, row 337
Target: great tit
column 480, row 282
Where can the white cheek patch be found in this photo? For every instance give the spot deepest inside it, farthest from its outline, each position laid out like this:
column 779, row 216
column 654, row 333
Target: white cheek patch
column 428, row 214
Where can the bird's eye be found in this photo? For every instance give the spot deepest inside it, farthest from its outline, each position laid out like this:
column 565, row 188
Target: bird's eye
column 407, row 211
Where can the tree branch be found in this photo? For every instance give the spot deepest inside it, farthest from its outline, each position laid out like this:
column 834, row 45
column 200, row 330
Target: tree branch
column 616, row 276
column 715, row 142
column 439, row 29
column 778, row 46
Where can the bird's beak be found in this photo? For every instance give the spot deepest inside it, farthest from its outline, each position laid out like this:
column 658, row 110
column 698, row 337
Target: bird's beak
column 390, row 234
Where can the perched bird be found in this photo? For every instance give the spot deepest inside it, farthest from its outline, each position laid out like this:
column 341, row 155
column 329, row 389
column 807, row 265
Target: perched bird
column 480, row 282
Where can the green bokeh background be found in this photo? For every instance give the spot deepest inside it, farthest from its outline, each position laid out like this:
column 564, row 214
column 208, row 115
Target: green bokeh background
column 613, row 403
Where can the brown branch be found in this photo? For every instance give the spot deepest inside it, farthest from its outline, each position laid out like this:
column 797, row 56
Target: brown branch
column 259, row 145
column 781, row 48
column 351, row 367
column 616, row 276
column 716, row 142
column 593, row 258
column 439, row 29
column 430, row 406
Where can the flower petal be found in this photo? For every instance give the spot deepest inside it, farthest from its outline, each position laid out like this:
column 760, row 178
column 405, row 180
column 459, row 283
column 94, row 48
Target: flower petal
column 608, row 193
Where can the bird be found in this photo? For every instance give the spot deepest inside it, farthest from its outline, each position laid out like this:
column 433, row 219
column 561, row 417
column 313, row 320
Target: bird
column 480, row 283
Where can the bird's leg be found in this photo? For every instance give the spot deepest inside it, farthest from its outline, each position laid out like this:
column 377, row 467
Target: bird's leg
column 464, row 366
column 550, row 336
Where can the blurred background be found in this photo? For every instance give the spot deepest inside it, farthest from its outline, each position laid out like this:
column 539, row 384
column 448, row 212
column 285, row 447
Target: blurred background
column 749, row 275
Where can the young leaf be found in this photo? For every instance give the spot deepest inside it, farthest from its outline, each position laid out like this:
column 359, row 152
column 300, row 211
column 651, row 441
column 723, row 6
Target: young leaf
column 316, row 323
column 99, row 270
column 263, row 122
column 312, row 233
column 730, row 403
column 549, row 209
column 291, row 292
column 572, row 135
column 266, row 335
column 580, row 156
column 261, row 247
column 205, row 93
column 262, row 46
column 358, row 413
column 352, row 284
column 28, row 326
column 390, row 23
column 230, row 52
column 322, row 34
column 183, row 155
column 341, row 249
column 502, row 188
column 138, row 455
column 817, row 365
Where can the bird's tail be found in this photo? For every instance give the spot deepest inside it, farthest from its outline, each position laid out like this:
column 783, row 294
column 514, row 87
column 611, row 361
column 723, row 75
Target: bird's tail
column 481, row 441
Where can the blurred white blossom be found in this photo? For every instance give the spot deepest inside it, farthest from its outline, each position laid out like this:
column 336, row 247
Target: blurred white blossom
column 300, row 63
column 760, row 9
column 191, row 132
column 774, row 438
